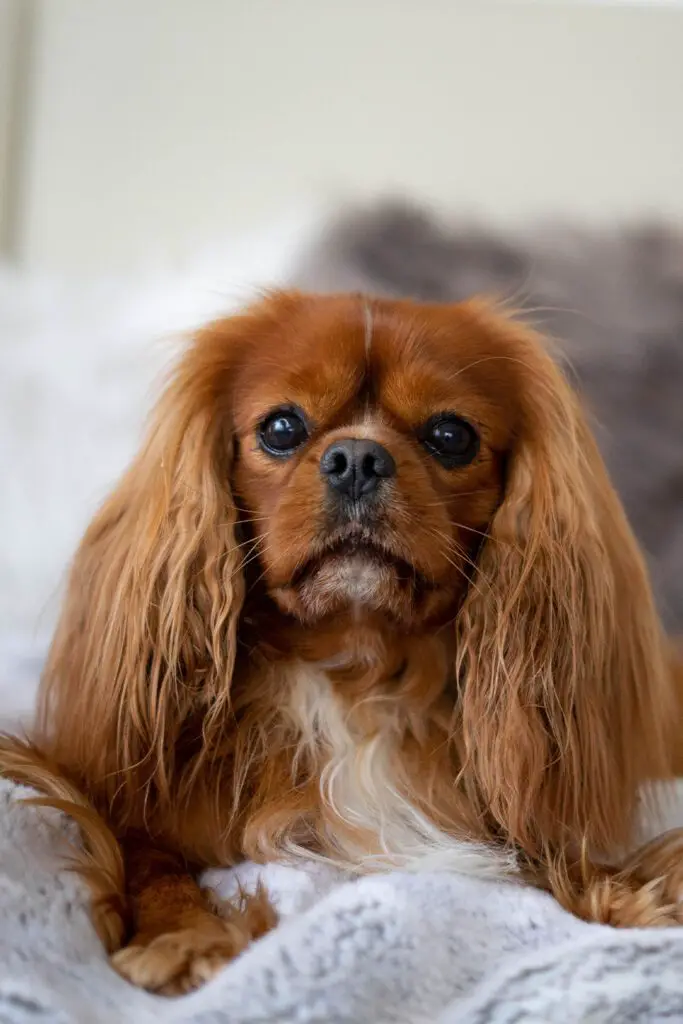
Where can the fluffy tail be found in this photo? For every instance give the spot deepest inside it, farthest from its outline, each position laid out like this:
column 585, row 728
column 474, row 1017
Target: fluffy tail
column 99, row 860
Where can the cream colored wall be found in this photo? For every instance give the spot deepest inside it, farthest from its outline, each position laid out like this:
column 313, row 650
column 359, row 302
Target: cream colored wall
column 158, row 125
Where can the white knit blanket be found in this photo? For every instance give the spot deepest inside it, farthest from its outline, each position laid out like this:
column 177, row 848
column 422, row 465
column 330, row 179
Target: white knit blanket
column 399, row 948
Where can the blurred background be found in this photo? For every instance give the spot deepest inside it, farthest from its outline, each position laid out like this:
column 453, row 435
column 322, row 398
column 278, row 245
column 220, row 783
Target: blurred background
column 159, row 158
column 140, row 129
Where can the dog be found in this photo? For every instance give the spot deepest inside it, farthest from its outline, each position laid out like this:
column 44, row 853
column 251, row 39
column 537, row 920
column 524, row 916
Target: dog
column 365, row 595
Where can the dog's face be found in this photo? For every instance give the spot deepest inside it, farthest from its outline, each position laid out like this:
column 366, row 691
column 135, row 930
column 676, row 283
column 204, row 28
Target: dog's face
column 372, row 441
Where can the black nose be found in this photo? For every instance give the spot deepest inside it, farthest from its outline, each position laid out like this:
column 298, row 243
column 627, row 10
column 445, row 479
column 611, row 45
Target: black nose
column 355, row 467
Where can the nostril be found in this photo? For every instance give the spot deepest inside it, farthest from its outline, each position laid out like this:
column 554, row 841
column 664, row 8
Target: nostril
column 338, row 464
column 377, row 463
column 369, row 466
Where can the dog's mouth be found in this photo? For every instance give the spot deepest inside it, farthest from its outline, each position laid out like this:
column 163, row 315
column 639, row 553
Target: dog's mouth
column 360, row 549
column 359, row 572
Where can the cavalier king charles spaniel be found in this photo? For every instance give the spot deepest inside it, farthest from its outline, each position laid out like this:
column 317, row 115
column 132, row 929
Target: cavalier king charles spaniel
column 365, row 595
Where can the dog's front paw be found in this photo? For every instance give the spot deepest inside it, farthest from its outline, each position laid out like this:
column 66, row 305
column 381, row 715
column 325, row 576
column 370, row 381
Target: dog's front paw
column 177, row 962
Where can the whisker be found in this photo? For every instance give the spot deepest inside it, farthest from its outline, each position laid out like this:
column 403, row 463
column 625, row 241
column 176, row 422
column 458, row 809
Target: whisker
column 454, row 548
column 454, row 497
column 300, row 561
column 254, row 552
column 473, row 529
column 250, row 511
column 490, row 359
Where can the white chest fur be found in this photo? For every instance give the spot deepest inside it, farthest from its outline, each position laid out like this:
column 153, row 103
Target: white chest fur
column 371, row 824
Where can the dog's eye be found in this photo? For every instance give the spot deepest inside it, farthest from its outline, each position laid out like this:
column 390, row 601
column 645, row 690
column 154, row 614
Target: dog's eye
column 282, row 432
column 451, row 439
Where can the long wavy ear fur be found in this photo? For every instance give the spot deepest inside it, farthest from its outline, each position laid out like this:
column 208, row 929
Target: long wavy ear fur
column 566, row 693
column 148, row 629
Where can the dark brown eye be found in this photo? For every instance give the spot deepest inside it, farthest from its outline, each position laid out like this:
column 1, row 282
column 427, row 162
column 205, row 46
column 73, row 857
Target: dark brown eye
column 282, row 432
column 450, row 439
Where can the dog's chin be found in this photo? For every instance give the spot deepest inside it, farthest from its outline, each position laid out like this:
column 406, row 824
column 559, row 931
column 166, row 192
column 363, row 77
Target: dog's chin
column 339, row 582
column 359, row 580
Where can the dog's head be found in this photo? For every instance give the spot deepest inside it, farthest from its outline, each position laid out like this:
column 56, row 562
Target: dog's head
column 371, row 447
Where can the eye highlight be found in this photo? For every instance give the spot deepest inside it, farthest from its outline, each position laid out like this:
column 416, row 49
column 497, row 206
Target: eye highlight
column 450, row 439
column 282, row 432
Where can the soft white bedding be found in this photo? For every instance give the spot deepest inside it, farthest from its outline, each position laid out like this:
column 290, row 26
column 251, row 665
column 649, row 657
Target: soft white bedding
column 396, row 948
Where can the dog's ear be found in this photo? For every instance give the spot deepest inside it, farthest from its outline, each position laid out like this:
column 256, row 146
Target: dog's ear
column 566, row 695
column 148, row 629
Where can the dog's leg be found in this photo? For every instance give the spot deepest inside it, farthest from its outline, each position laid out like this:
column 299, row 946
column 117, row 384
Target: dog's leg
column 181, row 938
